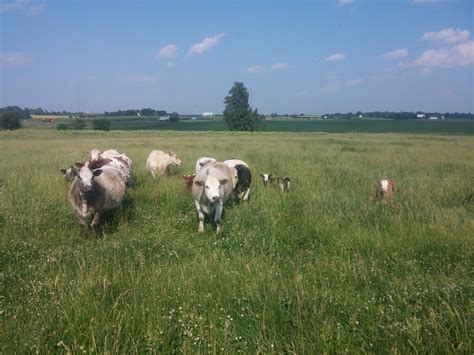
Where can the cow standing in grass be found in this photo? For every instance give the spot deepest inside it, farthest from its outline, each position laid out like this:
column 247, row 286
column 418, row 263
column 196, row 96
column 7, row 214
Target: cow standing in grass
column 282, row 182
column 385, row 190
column 242, row 178
column 158, row 162
column 212, row 187
column 96, row 188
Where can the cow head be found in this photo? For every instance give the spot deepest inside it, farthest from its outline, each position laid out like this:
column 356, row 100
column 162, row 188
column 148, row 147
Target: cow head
column 68, row 174
column 85, row 176
column 212, row 187
column 188, row 180
column 266, row 178
column 174, row 158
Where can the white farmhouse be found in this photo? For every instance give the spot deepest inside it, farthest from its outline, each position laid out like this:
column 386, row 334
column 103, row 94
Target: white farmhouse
column 164, row 118
column 208, row 114
column 420, row 115
column 433, row 117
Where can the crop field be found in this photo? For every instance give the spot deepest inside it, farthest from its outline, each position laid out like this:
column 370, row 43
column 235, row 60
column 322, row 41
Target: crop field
column 324, row 268
column 329, row 126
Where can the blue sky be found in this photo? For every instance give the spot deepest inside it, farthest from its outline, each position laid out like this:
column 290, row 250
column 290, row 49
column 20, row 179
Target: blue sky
column 293, row 56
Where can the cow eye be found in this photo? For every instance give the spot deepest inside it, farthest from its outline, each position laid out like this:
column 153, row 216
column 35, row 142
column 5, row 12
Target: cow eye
column 207, row 187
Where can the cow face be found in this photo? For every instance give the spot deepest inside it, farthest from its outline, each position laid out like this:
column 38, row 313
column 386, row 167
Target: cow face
column 266, row 178
column 85, row 176
column 212, row 187
column 383, row 185
column 188, row 180
column 174, row 158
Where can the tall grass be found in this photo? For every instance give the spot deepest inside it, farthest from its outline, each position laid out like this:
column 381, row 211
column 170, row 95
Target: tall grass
column 322, row 269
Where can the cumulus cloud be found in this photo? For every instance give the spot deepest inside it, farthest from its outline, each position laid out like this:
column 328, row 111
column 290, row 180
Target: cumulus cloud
column 16, row 58
column 448, row 35
column 461, row 55
column 344, row 2
column 254, row 69
column 205, row 44
column 31, row 8
column 335, row 57
column 279, row 66
column 167, row 52
column 144, row 78
column 396, row 54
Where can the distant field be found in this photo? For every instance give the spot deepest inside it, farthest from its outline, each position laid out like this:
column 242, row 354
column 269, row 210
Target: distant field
column 329, row 126
column 323, row 269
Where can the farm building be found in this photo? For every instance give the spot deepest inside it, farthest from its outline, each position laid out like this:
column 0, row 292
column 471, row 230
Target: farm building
column 420, row 115
column 207, row 114
column 433, row 117
column 164, row 118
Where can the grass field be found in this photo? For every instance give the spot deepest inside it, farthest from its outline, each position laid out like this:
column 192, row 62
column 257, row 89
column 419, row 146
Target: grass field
column 322, row 269
column 329, row 126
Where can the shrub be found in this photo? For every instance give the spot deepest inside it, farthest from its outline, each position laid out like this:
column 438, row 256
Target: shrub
column 10, row 120
column 62, row 127
column 78, row 124
column 101, row 124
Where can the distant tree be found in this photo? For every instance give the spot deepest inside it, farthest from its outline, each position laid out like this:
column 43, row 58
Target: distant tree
column 237, row 113
column 78, row 124
column 147, row 112
column 174, row 117
column 101, row 124
column 10, row 120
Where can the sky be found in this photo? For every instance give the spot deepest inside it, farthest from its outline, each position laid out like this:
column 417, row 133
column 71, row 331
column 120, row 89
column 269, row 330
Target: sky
column 294, row 56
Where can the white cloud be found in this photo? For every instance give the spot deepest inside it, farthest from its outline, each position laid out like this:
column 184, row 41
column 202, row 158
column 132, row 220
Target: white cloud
column 448, row 35
column 344, row 2
column 167, row 52
column 460, row 55
column 279, row 66
column 396, row 54
column 16, row 58
column 335, row 57
column 31, row 8
column 205, row 44
column 353, row 82
column 144, row 78
column 254, row 69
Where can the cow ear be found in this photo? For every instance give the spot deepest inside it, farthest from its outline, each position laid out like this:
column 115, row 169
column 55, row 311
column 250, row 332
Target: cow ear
column 97, row 172
column 63, row 171
column 198, row 183
column 223, row 181
column 78, row 165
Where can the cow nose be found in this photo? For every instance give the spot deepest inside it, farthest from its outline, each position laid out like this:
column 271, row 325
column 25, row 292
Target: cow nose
column 215, row 198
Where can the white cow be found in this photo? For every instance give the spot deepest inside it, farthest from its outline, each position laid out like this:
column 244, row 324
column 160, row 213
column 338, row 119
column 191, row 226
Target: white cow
column 212, row 187
column 205, row 159
column 94, row 190
column 158, row 162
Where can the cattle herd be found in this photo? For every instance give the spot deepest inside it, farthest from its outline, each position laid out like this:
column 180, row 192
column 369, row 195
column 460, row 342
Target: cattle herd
column 99, row 184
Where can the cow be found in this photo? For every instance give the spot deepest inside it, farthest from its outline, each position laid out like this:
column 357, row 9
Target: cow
column 68, row 174
column 158, row 162
column 116, row 160
column 96, row 188
column 281, row 182
column 205, row 159
column 188, row 180
column 385, row 190
column 242, row 178
column 212, row 187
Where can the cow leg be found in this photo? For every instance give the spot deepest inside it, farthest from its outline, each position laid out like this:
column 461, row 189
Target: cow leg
column 94, row 223
column 200, row 216
column 217, row 216
column 246, row 195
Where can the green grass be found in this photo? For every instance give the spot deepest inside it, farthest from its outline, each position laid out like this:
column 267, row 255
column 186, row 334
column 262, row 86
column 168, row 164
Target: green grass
column 322, row 269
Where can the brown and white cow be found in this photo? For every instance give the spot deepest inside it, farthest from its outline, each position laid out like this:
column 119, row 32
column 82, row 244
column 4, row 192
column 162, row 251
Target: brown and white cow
column 385, row 190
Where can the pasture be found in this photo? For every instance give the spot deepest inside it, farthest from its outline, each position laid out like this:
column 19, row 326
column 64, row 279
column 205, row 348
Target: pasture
column 321, row 269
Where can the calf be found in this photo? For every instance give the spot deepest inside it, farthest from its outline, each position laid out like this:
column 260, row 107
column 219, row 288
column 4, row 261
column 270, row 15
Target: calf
column 385, row 190
column 202, row 161
column 282, row 182
column 158, row 162
column 68, row 174
column 188, row 180
column 95, row 189
column 242, row 178
column 212, row 187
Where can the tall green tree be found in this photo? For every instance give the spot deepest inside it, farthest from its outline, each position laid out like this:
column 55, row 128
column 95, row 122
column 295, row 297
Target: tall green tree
column 238, row 114
column 10, row 120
